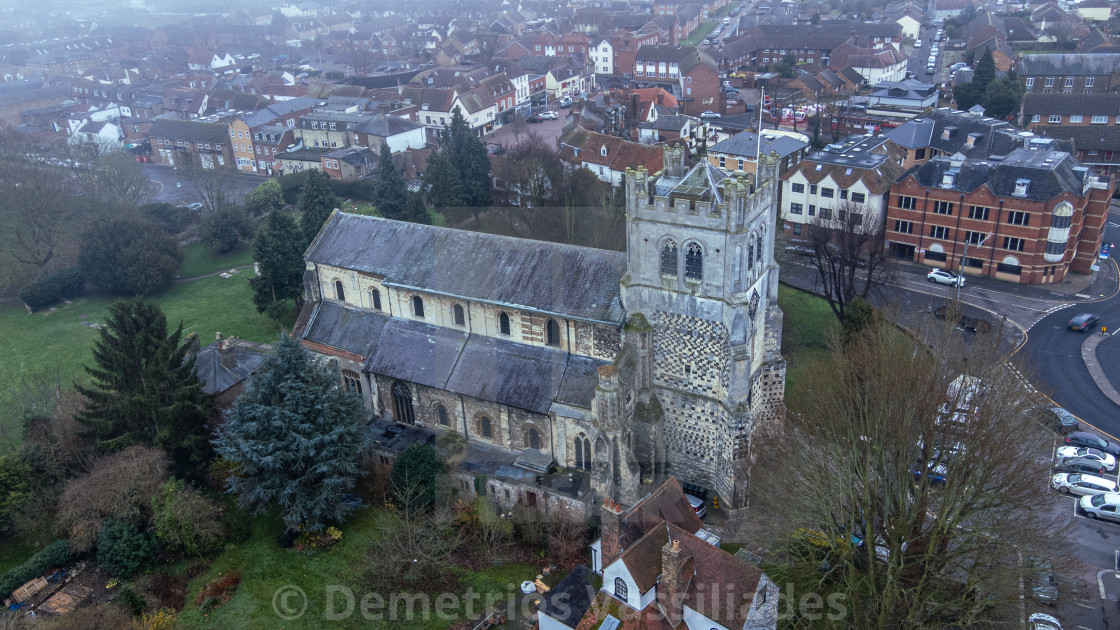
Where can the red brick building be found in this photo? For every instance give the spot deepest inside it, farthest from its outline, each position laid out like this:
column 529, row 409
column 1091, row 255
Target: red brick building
column 682, row 72
column 1030, row 217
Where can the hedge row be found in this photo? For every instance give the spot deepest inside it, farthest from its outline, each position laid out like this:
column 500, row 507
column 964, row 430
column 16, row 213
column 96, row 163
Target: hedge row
column 56, row 554
column 45, row 291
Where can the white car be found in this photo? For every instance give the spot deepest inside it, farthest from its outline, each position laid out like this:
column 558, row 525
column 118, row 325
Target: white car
column 1084, row 458
column 711, row 114
column 698, row 505
column 1042, row 621
column 549, row 115
column 945, row 277
column 1106, row 506
column 1084, row 485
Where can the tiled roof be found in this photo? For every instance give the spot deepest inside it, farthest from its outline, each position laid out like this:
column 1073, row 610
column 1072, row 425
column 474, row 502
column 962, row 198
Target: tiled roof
column 746, row 144
column 1050, row 174
column 384, row 126
column 190, row 130
column 566, row 280
column 1067, row 64
column 1083, row 104
column 220, row 371
column 569, row 600
column 1084, row 137
column 686, row 57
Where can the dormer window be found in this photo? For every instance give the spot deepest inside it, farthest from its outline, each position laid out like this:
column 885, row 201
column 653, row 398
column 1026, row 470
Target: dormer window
column 1021, row 186
column 603, row 151
column 947, row 133
column 971, row 141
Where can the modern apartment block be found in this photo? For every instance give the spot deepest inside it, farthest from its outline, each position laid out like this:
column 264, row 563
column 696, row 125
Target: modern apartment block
column 1031, row 216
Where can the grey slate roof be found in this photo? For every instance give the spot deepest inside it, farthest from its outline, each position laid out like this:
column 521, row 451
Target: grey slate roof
column 569, row 600
column 385, row 126
column 348, row 329
column 1050, row 174
column 1084, row 104
column 991, row 136
column 417, row 352
column 220, row 371
column 1067, row 64
column 746, row 144
column 191, row 130
column 510, row 373
column 1084, row 137
column 574, row 282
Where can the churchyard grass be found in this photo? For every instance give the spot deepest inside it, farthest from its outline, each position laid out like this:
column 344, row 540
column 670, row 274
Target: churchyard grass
column 198, row 261
column 808, row 324
column 60, row 341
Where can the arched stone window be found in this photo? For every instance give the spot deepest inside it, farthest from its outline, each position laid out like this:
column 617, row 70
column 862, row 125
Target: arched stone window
column 441, row 411
column 533, row 439
column 583, row 452
column 620, row 590
column 458, row 316
column 669, row 258
column 758, row 247
column 352, row 381
column 375, row 299
column 503, row 323
column 417, row 306
column 484, row 428
column 552, row 333
column 694, row 262
column 402, row 403
column 339, row 293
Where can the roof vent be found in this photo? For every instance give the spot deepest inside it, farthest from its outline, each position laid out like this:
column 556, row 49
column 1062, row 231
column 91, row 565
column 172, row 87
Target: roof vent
column 1021, row 186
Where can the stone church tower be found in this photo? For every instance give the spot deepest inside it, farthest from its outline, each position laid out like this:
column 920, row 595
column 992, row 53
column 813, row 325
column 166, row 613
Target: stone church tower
column 701, row 351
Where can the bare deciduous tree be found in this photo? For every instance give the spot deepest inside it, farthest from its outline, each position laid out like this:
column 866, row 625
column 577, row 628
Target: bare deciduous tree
column 845, row 247
column 909, row 479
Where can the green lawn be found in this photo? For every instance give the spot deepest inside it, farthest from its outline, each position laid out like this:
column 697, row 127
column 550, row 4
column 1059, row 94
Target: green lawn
column 266, row 568
column 699, row 33
column 61, row 340
column 809, row 322
column 198, row 261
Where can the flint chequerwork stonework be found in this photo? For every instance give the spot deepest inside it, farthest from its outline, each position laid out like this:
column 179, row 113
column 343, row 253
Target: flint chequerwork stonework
column 609, row 371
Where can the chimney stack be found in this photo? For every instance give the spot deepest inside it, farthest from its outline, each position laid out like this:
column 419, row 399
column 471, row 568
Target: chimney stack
column 670, row 590
column 611, row 528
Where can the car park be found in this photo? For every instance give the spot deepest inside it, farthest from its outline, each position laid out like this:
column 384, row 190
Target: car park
column 941, row 276
column 1092, row 440
column 1081, row 484
column 1084, row 459
column 1083, row 321
column 1102, row 506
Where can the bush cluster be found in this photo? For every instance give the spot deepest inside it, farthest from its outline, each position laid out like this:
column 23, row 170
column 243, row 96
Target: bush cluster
column 64, row 285
column 53, row 555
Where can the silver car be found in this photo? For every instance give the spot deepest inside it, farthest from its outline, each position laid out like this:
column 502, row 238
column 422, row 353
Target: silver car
column 1084, row 485
column 945, row 277
column 1084, row 458
column 1103, row 506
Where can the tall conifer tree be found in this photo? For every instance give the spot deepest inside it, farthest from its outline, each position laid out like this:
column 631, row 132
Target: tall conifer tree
column 315, row 205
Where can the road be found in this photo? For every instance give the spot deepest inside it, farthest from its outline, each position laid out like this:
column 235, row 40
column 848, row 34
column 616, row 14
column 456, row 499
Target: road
column 177, row 190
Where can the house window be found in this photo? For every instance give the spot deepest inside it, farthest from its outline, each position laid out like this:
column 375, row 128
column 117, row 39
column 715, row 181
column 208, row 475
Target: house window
column 1013, row 244
column 693, row 262
column 973, row 238
column 795, row 208
column 1069, row 82
column 907, row 203
column 1089, row 81
column 722, row 162
column 375, row 299
column 1030, row 82
column 843, row 193
column 402, row 403
column 827, row 193
column 943, row 207
column 1049, row 81
column 533, row 439
column 458, row 316
column 620, row 590
column 417, row 306
column 552, row 333
column 441, row 411
column 1018, row 218
column 904, row 227
column 797, row 229
column 858, row 197
column 484, row 428
column 797, row 188
column 812, row 189
column 938, row 231
column 1099, row 120
column 669, row 258
column 978, row 212
column 1035, row 118
column 1074, row 119
column 503, row 323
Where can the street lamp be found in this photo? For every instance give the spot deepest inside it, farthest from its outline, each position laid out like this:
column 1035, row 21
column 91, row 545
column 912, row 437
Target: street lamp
column 964, row 256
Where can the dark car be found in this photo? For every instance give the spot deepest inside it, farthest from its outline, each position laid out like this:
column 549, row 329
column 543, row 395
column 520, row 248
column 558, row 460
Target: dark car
column 1044, row 587
column 534, row 119
column 1084, row 438
column 1060, row 420
column 1083, row 322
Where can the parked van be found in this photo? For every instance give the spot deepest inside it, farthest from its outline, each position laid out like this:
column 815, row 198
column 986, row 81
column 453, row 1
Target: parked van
column 726, row 21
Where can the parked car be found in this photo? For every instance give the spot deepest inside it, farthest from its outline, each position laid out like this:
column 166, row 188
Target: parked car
column 936, row 471
column 1080, row 484
column 1103, row 506
column 1084, row 459
column 1083, row 322
column 697, row 498
column 711, row 114
column 566, row 101
column 1044, row 587
column 549, row 115
column 1092, row 440
column 535, row 118
column 1060, row 420
column 941, row 276
column 1042, row 621
column 697, row 504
